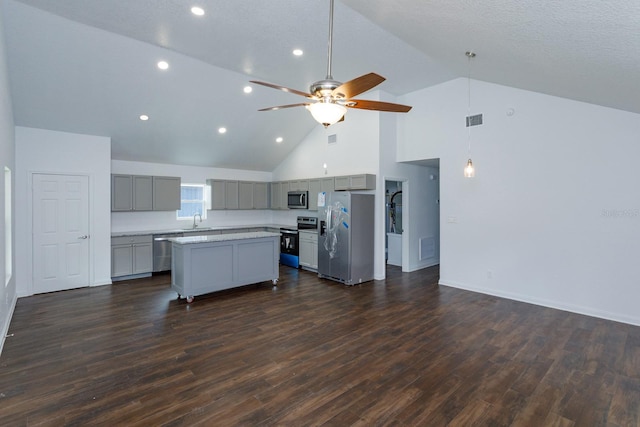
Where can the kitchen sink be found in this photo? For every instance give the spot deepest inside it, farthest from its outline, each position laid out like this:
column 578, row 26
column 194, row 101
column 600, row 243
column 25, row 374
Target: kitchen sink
column 190, row 229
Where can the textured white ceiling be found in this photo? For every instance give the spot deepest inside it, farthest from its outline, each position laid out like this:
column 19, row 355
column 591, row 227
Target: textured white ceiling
column 88, row 66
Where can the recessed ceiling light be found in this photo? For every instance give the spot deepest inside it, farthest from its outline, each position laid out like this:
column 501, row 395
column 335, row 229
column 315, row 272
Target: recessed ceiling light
column 247, row 89
column 279, row 139
column 144, row 117
column 222, row 130
column 163, row 65
column 198, row 11
column 297, row 52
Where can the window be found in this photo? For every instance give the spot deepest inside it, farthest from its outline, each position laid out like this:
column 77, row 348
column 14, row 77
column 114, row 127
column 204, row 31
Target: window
column 192, row 201
column 8, row 256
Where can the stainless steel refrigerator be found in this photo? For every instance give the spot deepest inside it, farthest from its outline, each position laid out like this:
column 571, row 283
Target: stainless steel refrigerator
column 345, row 243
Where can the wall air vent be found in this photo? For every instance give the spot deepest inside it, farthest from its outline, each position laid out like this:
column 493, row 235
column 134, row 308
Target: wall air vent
column 474, row 120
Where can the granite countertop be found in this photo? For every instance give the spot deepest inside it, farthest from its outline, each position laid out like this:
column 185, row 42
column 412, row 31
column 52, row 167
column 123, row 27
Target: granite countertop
column 221, row 237
column 192, row 230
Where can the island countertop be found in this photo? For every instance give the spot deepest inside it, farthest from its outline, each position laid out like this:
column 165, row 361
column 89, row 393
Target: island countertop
column 187, row 231
column 188, row 240
column 204, row 264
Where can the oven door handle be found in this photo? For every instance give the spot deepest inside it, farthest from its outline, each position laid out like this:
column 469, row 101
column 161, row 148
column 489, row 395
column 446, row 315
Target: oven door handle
column 288, row 232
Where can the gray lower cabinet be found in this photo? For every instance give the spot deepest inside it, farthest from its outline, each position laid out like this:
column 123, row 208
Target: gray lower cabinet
column 131, row 255
column 308, row 249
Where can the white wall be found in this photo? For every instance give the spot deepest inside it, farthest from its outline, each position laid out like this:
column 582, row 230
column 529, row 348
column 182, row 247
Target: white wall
column 553, row 214
column 7, row 159
column 142, row 221
column 45, row 151
column 420, row 194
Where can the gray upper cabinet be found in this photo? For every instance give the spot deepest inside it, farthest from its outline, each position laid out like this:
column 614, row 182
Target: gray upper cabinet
column 276, row 189
column 166, row 193
column 231, row 195
column 121, row 192
column 261, row 195
column 227, row 194
column 299, row 185
column 217, row 199
column 238, row 194
column 355, row 182
column 144, row 193
column 284, row 195
column 327, row 184
column 315, row 186
column 245, row 195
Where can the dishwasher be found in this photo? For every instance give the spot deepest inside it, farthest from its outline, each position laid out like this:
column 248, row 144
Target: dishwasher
column 162, row 251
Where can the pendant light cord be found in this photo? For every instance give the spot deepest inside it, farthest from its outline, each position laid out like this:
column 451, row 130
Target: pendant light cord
column 468, row 120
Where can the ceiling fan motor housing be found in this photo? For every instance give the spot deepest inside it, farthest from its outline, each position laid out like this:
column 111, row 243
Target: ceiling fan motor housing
column 324, row 88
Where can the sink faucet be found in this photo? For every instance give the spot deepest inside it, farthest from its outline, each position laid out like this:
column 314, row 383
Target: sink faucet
column 194, row 219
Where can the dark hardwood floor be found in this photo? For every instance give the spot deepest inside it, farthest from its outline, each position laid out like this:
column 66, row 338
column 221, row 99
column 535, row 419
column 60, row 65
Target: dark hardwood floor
column 402, row 352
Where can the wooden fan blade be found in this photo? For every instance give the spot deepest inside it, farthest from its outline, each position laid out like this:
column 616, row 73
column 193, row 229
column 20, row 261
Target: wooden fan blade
column 357, row 86
column 280, row 107
column 377, row 105
column 282, row 88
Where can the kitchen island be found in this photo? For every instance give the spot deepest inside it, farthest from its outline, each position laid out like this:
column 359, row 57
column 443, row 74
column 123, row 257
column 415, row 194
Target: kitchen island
column 204, row 264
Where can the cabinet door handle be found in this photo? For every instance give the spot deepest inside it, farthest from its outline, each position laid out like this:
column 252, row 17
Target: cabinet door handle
column 83, row 237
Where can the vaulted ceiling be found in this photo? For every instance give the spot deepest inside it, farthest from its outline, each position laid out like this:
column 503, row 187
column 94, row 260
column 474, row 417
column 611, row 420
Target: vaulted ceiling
column 89, row 66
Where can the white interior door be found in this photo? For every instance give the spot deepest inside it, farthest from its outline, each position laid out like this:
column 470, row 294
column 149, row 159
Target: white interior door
column 60, row 232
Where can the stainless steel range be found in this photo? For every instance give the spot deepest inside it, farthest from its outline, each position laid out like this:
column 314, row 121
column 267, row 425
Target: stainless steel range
column 289, row 247
column 290, row 240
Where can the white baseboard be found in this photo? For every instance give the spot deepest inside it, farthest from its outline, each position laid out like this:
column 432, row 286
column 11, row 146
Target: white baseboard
column 587, row 311
column 420, row 266
column 7, row 323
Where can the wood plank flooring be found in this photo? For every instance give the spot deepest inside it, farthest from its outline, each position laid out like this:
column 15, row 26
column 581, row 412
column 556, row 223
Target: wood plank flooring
column 401, row 352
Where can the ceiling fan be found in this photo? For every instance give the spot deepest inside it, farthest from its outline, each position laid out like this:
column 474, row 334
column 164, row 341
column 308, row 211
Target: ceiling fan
column 329, row 99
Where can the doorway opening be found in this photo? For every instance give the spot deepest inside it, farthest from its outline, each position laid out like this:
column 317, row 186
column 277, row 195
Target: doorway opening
column 393, row 222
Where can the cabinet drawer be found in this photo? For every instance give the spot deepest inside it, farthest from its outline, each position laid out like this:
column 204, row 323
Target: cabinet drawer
column 310, row 236
column 130, row 240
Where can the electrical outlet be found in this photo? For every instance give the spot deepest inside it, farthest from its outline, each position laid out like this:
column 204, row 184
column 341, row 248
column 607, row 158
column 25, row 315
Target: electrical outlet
column 452, row 220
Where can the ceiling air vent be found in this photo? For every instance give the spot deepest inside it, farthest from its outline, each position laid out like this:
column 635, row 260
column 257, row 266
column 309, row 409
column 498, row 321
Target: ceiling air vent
column 474, row 120
column 332, row 139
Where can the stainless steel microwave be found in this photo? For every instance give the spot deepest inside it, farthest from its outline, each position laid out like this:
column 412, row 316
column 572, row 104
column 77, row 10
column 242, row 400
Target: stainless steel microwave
column 298, row 200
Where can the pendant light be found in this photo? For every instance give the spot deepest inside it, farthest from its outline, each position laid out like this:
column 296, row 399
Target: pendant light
column 469, row 170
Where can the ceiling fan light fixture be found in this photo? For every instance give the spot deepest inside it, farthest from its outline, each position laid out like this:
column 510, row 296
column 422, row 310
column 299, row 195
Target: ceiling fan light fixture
column 327, row 113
